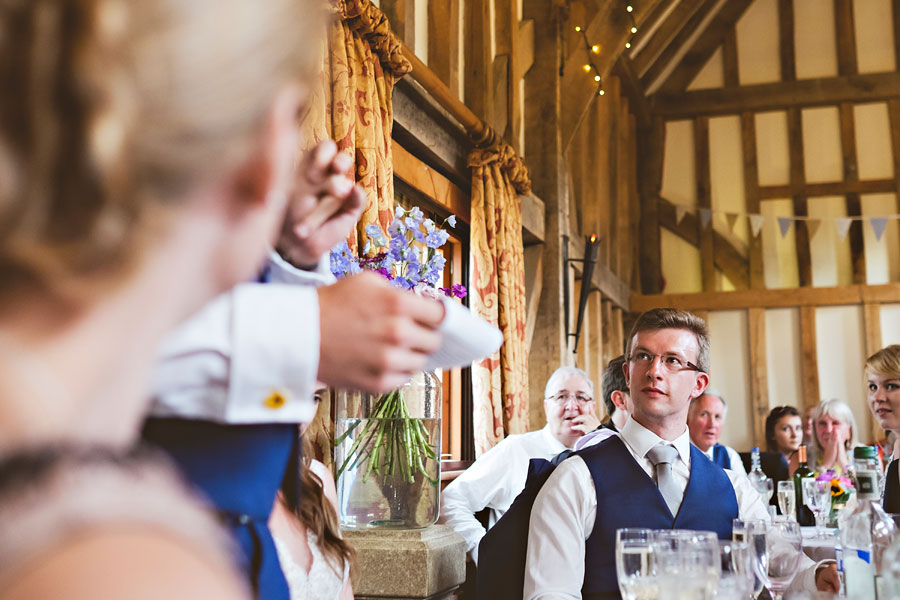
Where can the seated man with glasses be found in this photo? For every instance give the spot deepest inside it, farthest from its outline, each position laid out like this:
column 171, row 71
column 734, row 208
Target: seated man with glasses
column 646, row 476
column 496, row 478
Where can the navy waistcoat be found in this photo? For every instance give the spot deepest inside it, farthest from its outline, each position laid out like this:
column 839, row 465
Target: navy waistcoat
column 628, row 497
column 240, row 469
column 720, row 456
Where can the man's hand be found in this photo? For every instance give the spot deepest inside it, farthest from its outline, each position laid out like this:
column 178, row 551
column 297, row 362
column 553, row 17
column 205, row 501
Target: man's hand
column 585, row 423
column 374, row 336
column 827, row 579
column 324, row 206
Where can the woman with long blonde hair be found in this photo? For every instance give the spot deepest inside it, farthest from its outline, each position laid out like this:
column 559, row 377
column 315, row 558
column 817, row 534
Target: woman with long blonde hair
column 883, row 393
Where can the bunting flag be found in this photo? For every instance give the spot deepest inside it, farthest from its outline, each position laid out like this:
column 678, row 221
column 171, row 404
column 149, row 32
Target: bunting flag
column 812, row 227
column 730, row 220
column 784, row 223
column 705, row 217
column 756, row 223
column 878, row 225
column 842, row 225
column 680, row 211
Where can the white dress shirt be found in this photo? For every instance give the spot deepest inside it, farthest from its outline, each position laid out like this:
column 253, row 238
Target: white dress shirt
column 737, row 465
column 564, row 511
column 493, row 481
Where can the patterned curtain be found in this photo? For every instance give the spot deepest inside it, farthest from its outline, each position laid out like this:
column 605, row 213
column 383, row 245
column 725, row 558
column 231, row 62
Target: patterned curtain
column 499, row 382
column 354, row 107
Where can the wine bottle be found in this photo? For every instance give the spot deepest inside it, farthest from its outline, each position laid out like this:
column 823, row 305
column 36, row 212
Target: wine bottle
column 804, row 514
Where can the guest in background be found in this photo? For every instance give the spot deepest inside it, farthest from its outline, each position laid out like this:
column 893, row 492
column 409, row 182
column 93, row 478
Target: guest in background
column 784, row 431
column 705, row 419
column 617, row 401
column 145, row 164
column 835, row 436
column 496, row 478
column 883, row 383
column 809, row 428
column 316, row 561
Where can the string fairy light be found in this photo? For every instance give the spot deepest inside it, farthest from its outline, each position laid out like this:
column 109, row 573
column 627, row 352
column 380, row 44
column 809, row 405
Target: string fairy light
column 592, row 49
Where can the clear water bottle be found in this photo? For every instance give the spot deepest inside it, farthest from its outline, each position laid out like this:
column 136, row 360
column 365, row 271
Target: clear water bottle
column 867, row 535
column 756, row 475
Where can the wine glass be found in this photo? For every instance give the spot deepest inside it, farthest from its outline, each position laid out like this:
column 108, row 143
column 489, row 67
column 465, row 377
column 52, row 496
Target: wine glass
column 635, row 564
column 817, row 494
column 754, row 532
column 786, row 498
column 784, row 545
column 688, row 570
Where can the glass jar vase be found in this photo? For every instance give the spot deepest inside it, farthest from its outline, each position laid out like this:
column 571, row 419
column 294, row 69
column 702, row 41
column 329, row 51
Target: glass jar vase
column 387, row 456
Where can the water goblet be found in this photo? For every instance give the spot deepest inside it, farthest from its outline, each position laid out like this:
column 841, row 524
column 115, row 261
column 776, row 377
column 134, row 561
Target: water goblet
column 754, row 532
column 736, row 579
column 635, row 564
column 787, row 499
column 784, row 545
column 817, row 494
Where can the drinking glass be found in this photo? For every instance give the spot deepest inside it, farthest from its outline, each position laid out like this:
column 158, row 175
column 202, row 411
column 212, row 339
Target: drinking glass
column 786, row 499
column 635, row 564
column 687, row 564
column 736, row 579
column 817, row 494
column 784, row 545
column 754, row 532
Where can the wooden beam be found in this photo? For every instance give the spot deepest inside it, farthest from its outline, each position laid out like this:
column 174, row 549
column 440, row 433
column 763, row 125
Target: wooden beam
column 631, row 87
column 847, row 295
column 402, row 16
column 759, row 381
column 809, row 365
column 533, row 215
column 705, row 46
column 431, row 183
column 595, row 343
column 786, row 40
column 613, row 234
column 684, row 33
column 798, row 177
column 730, row 59
column 675, row 22
column 778, row 96
column 846, row 37
column 525, row 47
column 895, row 14
column 851, row 174
column 651, row 146
column 894, row 116
column 702, row 178
column 534, row 283
column 727, row 258
column 623, row 196
column 752, row 198
column 831, row 188
column 443, row 42
column 479, row 68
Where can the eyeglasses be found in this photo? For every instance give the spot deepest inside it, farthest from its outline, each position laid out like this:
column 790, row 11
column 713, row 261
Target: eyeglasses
column 563, row 398
column 672, row 362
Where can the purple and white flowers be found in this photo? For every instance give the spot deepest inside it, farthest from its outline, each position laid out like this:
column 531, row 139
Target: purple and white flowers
column 406, row 255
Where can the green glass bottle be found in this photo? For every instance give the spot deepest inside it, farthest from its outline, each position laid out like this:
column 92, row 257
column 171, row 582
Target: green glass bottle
column 804, row 514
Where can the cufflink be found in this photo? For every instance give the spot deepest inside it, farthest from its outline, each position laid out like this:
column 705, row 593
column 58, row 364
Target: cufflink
column 275, row 400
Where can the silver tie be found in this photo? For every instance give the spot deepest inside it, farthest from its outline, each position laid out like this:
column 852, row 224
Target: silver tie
column 662, row 457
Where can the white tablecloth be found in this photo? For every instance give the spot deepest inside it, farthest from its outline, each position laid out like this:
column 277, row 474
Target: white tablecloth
column 819, row 548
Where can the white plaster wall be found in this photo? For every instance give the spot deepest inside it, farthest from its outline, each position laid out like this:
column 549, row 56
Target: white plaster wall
column 890, row 324
column 779, row 253
column 841, row 356
column 680, row 264
column 421, row 25
column 773, row 155
column 783, row 357
column 726, row 167
column 882, row 260
column 873, row 21
column 822, row 144
column 814, row 39
column 829, row 255
column 679, row 177
column 729, row 373
column 757, row 44
column 711, row 75
column 874, row 156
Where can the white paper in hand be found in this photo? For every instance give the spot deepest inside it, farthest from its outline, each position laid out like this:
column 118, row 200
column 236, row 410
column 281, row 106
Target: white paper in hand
column 465, row 338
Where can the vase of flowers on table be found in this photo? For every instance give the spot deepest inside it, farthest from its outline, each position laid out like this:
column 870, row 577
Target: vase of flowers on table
column 841, row 490
column 387, row 447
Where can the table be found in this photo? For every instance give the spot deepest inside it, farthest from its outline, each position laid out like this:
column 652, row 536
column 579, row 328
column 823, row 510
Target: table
column 819, row 548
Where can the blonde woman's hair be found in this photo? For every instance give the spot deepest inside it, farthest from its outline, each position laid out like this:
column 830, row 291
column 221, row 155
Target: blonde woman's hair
column 111, row 110
column 838, row 410
column 885, row 362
